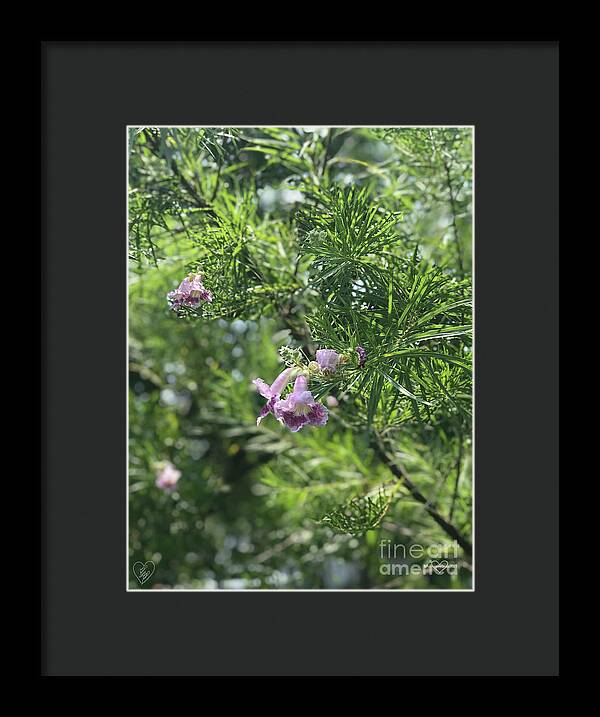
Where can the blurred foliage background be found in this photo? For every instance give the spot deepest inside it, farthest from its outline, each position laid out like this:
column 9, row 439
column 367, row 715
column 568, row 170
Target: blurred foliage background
column 308, row 238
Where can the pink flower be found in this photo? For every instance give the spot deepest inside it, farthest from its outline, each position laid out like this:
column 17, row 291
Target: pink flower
column 272, row 393
column 190, row 292
column 167, row 477
column 328, row 360
column 300, row 408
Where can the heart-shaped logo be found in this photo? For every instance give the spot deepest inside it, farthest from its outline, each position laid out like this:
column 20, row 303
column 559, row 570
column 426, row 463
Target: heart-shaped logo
column 143, row 571
column 439, row 566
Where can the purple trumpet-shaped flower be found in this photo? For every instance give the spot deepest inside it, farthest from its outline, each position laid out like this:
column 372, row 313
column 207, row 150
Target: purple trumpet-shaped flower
column 362, row 356
column 167, row 477
column 273, row 392
column 299, row 408
column 190, row 292
column 328, row 360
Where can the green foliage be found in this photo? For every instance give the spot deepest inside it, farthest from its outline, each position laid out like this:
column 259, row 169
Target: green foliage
column 358, row 515
column 308, row 238
column 402, row 310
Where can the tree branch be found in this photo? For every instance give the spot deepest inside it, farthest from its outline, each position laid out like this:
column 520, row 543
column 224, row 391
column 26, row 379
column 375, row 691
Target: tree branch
column 459, row 256
column 326, row 152
column 401, row 475
column 457, row 480
column 198, row 199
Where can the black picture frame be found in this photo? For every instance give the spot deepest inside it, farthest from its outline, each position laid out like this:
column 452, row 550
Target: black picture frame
column 90, row 92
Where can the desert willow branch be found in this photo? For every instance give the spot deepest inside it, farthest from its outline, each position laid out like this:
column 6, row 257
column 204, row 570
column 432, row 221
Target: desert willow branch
column 298, row 330
column 197, row 198
column 453, row 212
column 400, row 474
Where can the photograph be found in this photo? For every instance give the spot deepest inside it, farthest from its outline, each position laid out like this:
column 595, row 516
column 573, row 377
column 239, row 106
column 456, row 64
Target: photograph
column 293, row 405
column 300, row 379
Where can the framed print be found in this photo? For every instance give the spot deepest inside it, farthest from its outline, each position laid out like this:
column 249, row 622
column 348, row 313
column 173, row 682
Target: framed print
column 295, row 392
